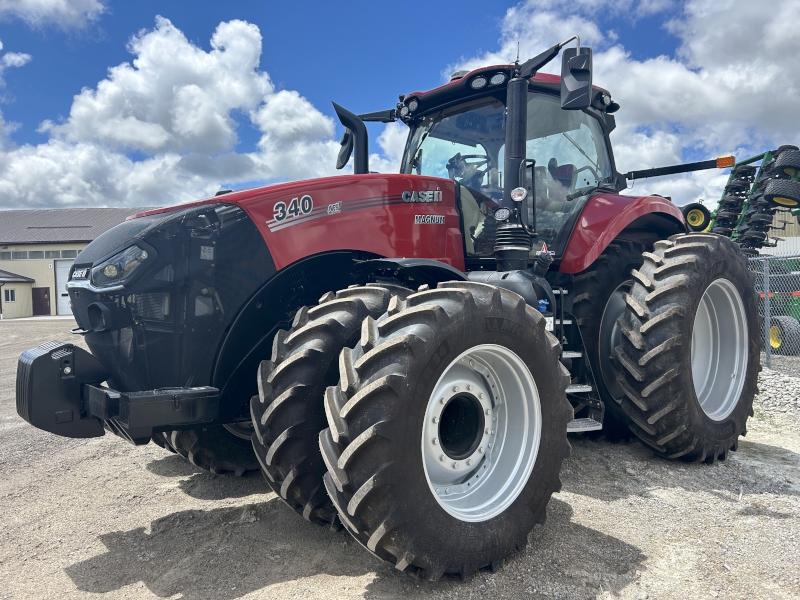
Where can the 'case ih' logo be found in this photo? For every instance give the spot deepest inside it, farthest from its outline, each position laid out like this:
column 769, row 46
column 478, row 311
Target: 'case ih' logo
column 428, row 196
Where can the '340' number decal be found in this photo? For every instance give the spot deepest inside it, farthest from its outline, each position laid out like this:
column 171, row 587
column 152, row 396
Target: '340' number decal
column 297, row 207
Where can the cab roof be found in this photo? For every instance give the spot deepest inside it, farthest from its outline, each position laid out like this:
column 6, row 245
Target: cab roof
column 458, row 88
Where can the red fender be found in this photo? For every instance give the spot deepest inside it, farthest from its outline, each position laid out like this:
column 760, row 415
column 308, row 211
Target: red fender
column 603, row 218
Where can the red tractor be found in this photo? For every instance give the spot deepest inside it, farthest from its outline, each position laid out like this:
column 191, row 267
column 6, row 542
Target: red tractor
column 423, row 342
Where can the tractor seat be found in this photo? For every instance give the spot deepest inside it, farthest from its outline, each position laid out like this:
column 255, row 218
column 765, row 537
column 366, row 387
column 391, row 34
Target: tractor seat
column 562, row 174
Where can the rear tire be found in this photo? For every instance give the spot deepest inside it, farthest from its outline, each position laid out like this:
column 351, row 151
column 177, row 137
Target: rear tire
column 288, row 412
column 691, row 348
column 597, row 305
column 784, row 335
column 383, row 466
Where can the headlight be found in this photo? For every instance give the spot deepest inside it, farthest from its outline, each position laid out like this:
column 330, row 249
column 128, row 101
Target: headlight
column 120, row 267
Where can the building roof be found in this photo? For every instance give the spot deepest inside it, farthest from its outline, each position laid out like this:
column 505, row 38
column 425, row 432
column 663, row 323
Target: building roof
column 60, row 224
column 8, row 277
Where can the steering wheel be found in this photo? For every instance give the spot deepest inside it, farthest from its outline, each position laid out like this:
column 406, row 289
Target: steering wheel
column 469, row 172
column 481, row 158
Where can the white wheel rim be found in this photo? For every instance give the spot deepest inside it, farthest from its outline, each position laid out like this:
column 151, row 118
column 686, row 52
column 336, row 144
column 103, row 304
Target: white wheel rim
column 481, row 433
column 719, row 349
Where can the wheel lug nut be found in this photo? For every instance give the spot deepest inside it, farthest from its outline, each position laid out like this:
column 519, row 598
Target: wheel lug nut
column 469, row 387
column 482, row 396
column 490, row 446
column 455, row 388
column 480, row 449
column 441, row 457
column 442, row 400
column 494, row 419
column 447, row 491
column 455, row 465
column 488, row 431
column 469, row 461
column 435, row 441
column 435, row 419
column 471, row 363
column 492, row 431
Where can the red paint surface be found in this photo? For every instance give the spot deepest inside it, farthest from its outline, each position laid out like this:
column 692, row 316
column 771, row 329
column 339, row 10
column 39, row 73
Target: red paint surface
column 371, row 217
column 602, row 219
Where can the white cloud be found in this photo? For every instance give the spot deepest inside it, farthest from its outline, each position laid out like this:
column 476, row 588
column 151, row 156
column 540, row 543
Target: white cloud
column 732, row 87
column 392, row 142
column 174, row 96
column 11, row 60
column 175, row 104
column 63, row 13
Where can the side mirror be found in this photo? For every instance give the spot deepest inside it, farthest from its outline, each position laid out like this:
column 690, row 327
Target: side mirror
column 576, row 78
column 346, row 150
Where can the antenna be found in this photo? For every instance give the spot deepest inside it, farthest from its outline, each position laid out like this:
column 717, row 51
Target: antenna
column 517, row 61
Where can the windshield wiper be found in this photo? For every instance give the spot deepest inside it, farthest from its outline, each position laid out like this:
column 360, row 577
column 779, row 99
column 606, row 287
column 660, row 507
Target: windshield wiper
column 574, row 143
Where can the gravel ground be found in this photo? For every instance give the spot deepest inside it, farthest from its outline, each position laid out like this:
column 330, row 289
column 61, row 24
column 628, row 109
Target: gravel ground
column 82, row 518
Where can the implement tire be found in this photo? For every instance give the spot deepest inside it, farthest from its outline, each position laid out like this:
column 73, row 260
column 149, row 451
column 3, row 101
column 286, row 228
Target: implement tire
column 782, row 192
column 784, row 335
column 691, row 348
column 697, row 216
column 788, row 161
column 214, row 449
column 597, row 305
column 412, row 467
column 288, row 412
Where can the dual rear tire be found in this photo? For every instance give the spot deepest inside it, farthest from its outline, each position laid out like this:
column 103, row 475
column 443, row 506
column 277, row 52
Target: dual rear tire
column 689, row 353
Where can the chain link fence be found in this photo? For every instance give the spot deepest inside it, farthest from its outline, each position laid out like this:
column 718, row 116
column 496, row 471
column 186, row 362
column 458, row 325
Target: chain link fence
column 778, row 286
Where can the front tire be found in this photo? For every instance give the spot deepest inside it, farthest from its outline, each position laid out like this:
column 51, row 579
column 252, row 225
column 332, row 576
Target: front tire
column 215, row 449
column 288, row 412
column 466, row 344
column 691, row 348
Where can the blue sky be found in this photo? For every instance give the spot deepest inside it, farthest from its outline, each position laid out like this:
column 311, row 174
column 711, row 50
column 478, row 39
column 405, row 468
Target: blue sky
column 358, row 56
column 695, row 78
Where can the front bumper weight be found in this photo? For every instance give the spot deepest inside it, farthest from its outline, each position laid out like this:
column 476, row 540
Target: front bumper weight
column 140, row 413
column 49, row 380
column 59, row 390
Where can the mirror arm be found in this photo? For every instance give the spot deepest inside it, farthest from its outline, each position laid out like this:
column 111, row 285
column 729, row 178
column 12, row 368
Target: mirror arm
column 530, row 67
column 381, row 116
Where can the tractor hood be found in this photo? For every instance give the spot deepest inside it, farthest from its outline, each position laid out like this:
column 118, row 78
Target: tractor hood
column 385, row 215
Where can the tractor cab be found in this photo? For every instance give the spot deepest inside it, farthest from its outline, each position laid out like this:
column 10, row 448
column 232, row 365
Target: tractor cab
column 465, row 142
column 525, row 149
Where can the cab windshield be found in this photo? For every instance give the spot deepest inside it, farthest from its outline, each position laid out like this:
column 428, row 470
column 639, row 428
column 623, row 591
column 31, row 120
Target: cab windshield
column 466, row 143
